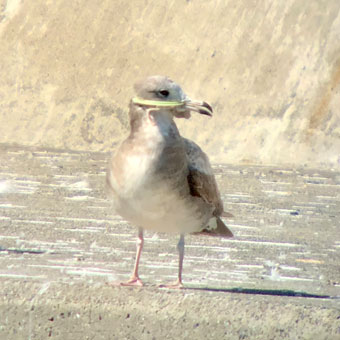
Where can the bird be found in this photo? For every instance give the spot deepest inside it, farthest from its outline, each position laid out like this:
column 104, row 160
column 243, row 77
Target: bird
column 159, row 180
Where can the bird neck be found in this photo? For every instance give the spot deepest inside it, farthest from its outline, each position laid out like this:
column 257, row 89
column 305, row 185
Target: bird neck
column 146, row 119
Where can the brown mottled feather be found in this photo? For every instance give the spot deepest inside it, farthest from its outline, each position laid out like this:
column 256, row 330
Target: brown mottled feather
column 202, row 184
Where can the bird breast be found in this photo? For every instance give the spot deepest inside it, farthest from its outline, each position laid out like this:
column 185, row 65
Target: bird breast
column 149, row 158
column 148, row 178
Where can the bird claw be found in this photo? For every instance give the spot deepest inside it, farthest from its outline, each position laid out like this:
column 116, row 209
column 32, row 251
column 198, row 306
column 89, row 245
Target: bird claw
column 133, row 282
column 175, row 285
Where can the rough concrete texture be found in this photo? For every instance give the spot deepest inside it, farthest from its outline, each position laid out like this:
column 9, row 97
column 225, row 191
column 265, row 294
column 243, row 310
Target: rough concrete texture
column 271, row 70
column 82, row 311
column 63, row 253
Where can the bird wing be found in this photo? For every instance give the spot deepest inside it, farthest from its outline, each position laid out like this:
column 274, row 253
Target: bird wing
column 201, row 178
column 202, row 184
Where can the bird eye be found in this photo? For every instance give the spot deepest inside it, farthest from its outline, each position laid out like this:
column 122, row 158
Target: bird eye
column 164, row 93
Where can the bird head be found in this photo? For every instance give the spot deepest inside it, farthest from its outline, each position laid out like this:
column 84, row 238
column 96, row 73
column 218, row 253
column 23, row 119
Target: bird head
column 159, row 92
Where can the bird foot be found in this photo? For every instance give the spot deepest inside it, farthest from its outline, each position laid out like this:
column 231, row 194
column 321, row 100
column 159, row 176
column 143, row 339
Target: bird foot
column 175, row 285
column 133, row 282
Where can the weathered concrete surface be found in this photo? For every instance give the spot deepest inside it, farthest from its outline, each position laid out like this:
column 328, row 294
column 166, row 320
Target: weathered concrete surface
column 62, row 252
column 30, row 310
column 270, row 69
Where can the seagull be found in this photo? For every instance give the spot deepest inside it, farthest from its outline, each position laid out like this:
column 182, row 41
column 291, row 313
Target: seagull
column 159, row 180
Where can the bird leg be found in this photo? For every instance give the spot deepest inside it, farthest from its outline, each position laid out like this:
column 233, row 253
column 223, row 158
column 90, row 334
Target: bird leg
column 178, row 284
column 135, row 280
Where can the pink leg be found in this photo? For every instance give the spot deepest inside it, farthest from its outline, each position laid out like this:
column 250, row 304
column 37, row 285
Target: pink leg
column 135, row 280
column 178, row 284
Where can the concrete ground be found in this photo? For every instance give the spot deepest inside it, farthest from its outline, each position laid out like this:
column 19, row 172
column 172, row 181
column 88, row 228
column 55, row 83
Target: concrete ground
column 63, row 253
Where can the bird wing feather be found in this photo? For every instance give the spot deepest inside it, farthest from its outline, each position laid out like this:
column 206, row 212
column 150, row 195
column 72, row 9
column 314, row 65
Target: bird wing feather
column 202, row 183
column 201, row 178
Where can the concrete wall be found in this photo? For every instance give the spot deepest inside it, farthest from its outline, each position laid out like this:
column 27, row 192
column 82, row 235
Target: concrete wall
column 270, row 69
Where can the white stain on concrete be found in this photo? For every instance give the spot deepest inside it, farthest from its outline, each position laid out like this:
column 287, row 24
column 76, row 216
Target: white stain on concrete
column 5, row 187
column 18, row 186
column 11, row 8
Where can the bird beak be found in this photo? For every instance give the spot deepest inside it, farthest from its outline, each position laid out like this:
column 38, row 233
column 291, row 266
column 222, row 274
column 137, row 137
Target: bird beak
column 198, row 106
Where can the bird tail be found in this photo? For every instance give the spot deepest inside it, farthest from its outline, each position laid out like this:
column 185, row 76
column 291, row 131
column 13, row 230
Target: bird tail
column 217, row 228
